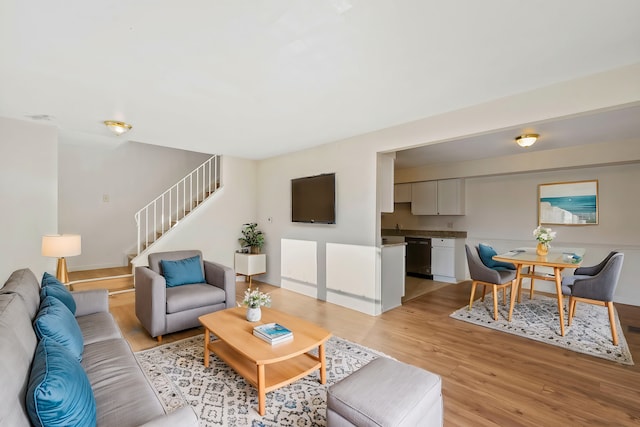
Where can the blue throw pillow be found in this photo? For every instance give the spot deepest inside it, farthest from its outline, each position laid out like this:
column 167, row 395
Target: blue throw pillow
column 487, row 253
column 48, row 279
column 59, row 392
column 59, row 291
column 182, row 272
column 55, row 321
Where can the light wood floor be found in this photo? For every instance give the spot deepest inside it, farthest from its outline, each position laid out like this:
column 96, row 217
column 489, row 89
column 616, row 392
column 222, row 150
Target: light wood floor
column 489, row 378
column 415, row 287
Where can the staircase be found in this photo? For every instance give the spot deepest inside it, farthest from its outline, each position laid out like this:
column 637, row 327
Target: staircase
column 156, row 219
column 166, row 211
column 115, row 280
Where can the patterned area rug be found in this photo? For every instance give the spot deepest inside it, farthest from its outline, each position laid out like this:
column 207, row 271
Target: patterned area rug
column 538, row 320
column 220, row 397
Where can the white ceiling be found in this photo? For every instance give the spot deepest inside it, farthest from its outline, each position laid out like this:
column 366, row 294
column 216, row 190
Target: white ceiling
column 612, row 125
column 257, row 79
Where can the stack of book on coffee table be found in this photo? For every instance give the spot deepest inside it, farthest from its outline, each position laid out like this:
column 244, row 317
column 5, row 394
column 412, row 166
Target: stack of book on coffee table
column 273, row 333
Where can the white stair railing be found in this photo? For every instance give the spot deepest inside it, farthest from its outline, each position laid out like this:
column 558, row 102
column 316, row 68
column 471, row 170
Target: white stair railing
column 166, row 210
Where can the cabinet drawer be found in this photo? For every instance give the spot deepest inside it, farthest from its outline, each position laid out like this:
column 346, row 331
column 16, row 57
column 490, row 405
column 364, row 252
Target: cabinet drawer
column 447, row 243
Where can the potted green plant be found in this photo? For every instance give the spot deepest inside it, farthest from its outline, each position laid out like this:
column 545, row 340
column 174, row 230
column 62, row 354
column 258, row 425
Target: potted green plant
column 252, row 237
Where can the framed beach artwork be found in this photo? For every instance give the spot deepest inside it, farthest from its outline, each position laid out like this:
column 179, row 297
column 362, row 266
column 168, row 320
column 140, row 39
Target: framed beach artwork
column 568, row 203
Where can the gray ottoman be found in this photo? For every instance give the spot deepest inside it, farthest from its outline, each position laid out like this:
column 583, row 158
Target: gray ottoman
column 386, row 393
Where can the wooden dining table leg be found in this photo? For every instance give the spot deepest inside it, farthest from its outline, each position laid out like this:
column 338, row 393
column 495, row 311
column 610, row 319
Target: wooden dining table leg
column 557, row 272
column 514, row 290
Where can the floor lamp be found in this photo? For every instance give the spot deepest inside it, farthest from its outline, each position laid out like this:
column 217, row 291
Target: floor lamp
column 61, row 246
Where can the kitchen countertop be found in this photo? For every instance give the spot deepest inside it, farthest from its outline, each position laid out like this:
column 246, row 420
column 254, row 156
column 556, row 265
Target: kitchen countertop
column 386, row 245
column 443, row 234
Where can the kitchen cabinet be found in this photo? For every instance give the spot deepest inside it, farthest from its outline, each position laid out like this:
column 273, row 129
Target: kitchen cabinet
column 447, row 259
column 424, row 198
column 443, row 197
column 385, row 185
column 392, row 276
column 451, row 197
column 402, row 193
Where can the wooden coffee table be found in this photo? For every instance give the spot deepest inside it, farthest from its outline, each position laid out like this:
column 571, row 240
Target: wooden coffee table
column 265, row 366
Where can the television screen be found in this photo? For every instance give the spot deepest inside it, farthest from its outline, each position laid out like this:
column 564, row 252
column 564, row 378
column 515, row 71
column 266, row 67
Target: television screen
column 313, row 199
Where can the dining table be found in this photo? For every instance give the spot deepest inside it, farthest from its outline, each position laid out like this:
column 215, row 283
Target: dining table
column 557, row 259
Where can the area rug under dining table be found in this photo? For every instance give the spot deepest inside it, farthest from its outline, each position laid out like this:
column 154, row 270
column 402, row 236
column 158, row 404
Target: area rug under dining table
column 221, row 397
column 538, row 319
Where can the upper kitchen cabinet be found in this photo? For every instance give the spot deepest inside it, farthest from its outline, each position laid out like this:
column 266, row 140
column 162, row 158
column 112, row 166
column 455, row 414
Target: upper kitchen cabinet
column 424, row 198
column 402, row 193
column 444, row 197
column 451, row 197
column 385, row 181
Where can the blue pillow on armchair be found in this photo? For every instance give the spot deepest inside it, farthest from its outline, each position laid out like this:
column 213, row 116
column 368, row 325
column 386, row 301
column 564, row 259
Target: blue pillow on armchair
column 487, row 253
column 182, row 272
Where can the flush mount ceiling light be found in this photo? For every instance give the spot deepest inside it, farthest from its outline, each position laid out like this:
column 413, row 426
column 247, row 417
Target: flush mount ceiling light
column 527, row 140
column 118, row 128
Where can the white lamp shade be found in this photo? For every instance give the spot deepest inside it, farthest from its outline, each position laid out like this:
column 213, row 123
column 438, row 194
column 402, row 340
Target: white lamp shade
column 61, row 245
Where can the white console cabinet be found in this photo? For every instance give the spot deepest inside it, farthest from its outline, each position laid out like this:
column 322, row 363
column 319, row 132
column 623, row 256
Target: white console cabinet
column 250, row 265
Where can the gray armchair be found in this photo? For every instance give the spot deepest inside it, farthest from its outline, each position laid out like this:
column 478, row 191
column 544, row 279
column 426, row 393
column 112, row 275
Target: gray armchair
column 163, row 310
column 595, row 289
column 485, row 276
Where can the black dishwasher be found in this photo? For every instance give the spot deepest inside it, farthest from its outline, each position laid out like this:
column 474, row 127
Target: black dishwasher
column 418, row 260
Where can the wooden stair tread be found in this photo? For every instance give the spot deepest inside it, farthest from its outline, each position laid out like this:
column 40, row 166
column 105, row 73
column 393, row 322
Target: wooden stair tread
column 99, row 273
column 111, row 286
column 112, row 279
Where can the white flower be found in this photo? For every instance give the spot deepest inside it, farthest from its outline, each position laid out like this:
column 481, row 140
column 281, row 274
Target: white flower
column 544, row 235
column 253, row 298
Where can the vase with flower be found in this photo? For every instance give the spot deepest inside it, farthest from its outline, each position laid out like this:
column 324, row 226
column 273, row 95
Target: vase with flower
column 253, row 300
column 544, row 236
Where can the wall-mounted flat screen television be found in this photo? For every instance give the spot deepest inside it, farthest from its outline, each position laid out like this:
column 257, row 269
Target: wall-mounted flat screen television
column 313, row 199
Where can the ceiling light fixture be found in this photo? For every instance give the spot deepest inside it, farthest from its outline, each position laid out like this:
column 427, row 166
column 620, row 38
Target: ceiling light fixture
column 118, row 128
column 527, row 140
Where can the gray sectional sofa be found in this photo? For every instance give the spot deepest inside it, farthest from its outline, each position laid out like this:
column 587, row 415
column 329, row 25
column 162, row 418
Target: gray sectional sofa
column 123, row 395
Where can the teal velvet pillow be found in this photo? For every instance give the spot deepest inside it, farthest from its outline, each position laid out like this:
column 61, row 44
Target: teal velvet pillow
column 59, row 392
column 182, row 272
column 59, row 291
column 486, row 255
column 55, row 321
column 48, row 279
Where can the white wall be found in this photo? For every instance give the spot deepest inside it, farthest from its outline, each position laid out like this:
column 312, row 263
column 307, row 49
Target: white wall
column 355, row 168
column 502, row 211
column 29, row 194
column 131, row 174
column 354, row 159
column 215, row 226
